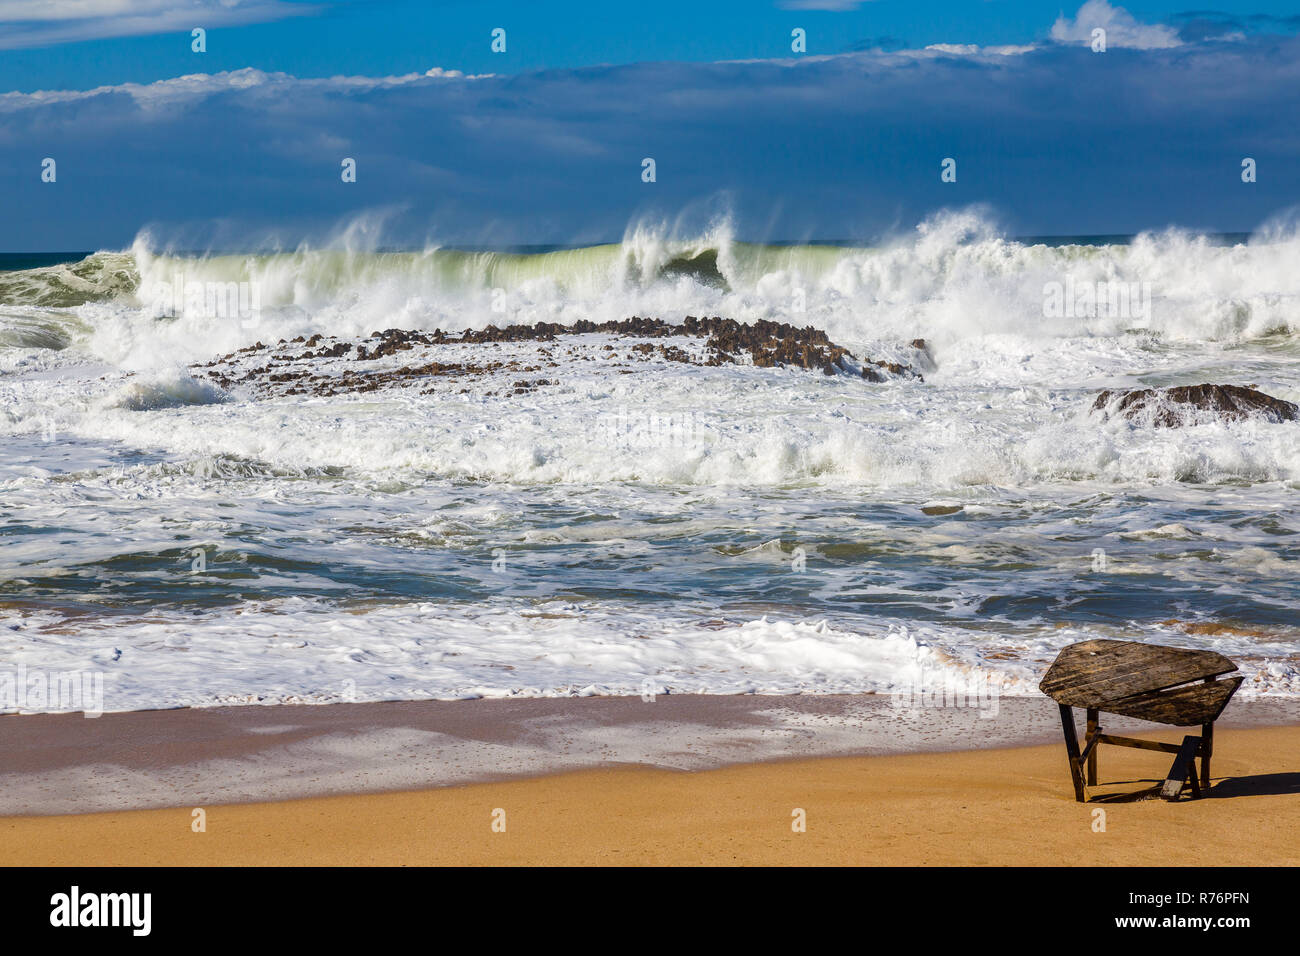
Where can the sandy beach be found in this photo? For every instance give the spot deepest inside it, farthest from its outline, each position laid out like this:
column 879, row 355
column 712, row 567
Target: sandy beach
column 644, row 803
column 672, row 435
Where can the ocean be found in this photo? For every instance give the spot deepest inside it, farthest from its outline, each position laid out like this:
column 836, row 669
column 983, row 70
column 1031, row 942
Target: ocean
column 642, row 526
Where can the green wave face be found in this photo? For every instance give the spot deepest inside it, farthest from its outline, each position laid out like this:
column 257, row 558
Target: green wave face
column 952, row 279
column 100, row 277
column 319, row 275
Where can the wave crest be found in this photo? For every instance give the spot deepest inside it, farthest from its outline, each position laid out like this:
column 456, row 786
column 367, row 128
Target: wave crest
column 955, row 278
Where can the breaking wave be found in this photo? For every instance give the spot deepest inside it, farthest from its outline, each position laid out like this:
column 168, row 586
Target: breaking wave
column 954, row 278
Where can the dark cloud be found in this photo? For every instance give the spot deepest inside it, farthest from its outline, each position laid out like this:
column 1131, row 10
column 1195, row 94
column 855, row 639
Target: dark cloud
column 1198, row 25
column 1057, row 140
column 886, row 43
column 27, row 24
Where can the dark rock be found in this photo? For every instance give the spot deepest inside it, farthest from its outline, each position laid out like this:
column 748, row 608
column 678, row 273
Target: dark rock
column 763, row 344
column 1188, row 404
column 924, row 358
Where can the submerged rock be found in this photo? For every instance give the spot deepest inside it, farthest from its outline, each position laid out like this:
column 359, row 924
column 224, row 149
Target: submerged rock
column 1192, row 404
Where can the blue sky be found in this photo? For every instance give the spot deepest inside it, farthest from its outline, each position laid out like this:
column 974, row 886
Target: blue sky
column 842, row 142
column 375, row 37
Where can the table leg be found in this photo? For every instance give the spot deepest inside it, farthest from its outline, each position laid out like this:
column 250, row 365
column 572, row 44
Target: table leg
column 1207, row 748
column 1093, row 730
column 1072, row 750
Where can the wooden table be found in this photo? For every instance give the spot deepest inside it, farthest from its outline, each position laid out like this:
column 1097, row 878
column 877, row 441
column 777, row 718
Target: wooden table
column 1167, row 685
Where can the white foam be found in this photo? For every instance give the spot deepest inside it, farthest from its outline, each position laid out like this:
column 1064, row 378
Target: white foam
column 119, row 450
column 309, row 652
column 157, row 392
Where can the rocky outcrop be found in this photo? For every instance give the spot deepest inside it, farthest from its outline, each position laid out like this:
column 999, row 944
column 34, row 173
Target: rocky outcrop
column 324, row 365
column 1194, row 404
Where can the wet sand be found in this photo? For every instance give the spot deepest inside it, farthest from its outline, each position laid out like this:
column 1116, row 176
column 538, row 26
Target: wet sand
column 987, row 807
column 687, row 780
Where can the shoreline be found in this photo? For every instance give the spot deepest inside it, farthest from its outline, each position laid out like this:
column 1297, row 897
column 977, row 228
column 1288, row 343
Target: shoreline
column 59, row 764
column 985, row 807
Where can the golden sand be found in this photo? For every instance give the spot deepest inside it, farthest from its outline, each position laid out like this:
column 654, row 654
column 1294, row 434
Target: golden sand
column 989, row 807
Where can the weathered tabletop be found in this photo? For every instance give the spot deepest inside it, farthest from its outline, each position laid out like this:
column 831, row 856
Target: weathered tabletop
column 1168, row 685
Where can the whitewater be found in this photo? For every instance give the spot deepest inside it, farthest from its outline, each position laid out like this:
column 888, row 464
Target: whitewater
column 786, row 531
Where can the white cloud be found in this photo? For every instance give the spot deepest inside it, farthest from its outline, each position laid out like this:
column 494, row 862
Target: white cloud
column 837, row 6
column 972, row 49
column 147, row 94
column 78, row 9
column 1122, row 28
column 37, row 23
column 193, row 86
